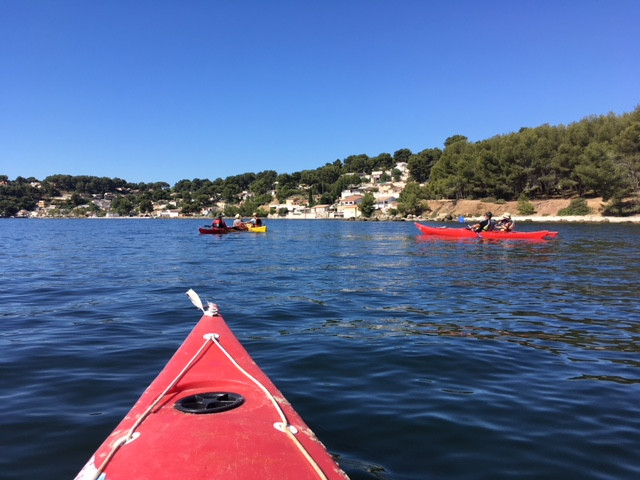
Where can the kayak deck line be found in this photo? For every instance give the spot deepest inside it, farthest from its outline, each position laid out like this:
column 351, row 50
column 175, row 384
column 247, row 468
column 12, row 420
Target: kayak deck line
column 213, row 338
column 283, row 425
column 161, row 403
column 132, row 434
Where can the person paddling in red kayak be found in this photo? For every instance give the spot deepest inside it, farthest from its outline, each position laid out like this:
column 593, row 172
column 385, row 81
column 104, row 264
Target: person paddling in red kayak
column 219, row 222
column 238, row 224
column 505, row 224
column 485, row 225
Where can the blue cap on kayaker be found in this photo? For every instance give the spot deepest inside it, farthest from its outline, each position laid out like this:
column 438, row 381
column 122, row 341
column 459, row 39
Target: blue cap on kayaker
column 488, row 214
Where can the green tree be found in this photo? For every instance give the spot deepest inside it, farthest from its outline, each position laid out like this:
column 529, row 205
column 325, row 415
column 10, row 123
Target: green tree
column 367, row 205
column 411, row 200
column 189, row 208
column 264, row 182
column 122, row 206
column 420, row 164
column 403, row 155
column 231, row 191
column 145, row 206
column 454, row 174
column 345, row 182
column 357, row 164
column 627, row 143
column 76, row 199
column 600, row 174
column 8, row 208
column 384, row 161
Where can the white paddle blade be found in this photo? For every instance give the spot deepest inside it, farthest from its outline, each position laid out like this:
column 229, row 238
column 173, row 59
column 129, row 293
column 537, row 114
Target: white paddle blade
column 195, row 299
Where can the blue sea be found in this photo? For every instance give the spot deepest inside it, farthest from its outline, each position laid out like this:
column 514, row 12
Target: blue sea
column 410, row 357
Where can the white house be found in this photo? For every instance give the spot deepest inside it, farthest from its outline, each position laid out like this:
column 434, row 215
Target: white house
column 348, row 206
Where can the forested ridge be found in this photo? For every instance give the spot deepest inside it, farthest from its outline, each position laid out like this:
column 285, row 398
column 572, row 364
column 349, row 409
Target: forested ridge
column 597, row 156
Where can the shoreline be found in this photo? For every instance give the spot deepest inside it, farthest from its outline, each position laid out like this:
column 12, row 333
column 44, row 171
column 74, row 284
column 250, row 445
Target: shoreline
column 453, row 219
column 566, row 219
column 545, row 210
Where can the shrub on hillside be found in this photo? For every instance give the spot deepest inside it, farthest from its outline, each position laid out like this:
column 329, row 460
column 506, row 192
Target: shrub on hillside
column 525, row 207
column 578, row 206
column 497, row 201
column 622, row 208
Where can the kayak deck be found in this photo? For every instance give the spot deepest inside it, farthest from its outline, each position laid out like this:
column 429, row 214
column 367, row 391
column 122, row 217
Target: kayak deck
column 499, row 235
column 236, row 424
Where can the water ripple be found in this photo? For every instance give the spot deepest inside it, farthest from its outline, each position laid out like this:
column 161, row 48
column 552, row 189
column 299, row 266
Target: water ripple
column 410, row 357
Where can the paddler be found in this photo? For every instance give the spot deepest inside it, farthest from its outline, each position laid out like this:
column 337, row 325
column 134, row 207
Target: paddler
column 255, row 221
column 238, row 224
column 485, row 225
column 219, row 222
column 505, row 224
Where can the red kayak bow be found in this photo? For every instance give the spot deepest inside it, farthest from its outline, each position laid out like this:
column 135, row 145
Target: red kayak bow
column 211, row 413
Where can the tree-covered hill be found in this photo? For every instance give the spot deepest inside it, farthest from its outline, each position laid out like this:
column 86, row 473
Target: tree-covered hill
column 596, row 156
column 599, row 156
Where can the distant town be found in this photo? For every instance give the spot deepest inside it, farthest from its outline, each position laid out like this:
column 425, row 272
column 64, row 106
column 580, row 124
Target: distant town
column 375, row 194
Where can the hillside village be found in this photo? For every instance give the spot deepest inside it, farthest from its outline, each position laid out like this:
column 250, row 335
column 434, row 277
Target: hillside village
column 381, row 184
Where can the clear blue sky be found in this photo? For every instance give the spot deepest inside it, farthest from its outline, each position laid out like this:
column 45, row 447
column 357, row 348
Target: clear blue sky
column 155, row 90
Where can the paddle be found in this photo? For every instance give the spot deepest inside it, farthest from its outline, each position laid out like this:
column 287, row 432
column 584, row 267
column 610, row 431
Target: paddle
column 212, row 308
column 195, row 299
column 477, row 233
column 468, row 227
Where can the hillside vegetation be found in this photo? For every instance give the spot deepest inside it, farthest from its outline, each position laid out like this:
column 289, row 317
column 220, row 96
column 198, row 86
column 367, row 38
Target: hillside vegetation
column 598, row 156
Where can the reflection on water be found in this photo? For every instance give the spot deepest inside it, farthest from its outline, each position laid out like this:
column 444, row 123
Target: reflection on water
column 575, row 345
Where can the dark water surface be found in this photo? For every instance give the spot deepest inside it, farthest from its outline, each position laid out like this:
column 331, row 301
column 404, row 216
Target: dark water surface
column 411, row 358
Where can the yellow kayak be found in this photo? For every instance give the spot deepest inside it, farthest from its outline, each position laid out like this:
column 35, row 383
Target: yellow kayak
column 261, row 229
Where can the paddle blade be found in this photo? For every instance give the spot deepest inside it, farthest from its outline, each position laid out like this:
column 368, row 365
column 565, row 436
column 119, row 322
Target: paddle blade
column 210, row 311
column 195, row 299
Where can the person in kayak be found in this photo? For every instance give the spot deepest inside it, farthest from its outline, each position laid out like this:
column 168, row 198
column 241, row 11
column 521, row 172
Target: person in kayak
column 238, row 224
column 505, row 224
column 485, row 225
column 255, row 221
column 219, row 222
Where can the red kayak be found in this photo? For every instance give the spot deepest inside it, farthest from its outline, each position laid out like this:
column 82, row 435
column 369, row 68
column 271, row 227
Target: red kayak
column 215, row 230
column 220, row 231
column 466, row 233
column 211, row 413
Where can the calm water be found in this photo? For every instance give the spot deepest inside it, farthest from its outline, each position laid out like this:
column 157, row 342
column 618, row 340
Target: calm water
column 411, row 358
